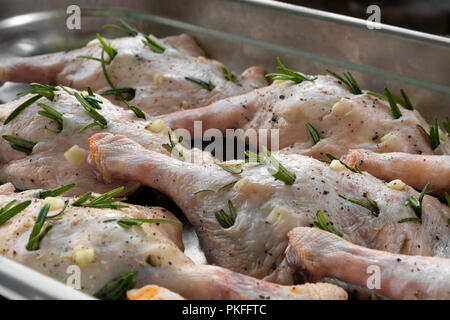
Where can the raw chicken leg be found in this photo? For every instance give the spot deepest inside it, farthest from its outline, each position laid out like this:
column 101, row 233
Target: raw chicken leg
column 46, row 167
column 343, row 120
column 415, row 170
column 267, row 209
column 317, row 254
column 158, row 78
column 92, row 239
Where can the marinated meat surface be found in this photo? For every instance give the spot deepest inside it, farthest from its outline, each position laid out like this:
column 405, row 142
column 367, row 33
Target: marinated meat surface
column 47, row 167
column 343, row 120
column 157, row 78
column 92, row 239
column 317, row 254
column 266, row 209
column 413, row 169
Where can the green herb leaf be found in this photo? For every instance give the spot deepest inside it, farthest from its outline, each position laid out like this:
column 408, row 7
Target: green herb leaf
column 130, row 92
column 8, row 211
column 202, row 190
column 447, row 197
column 229, row 76
column 36, row 235
column 117, row 288
column 416, row 204
column 20, row 144
column 331, row 157
column 107, row 48
column 103, row 201
column 22, row 107
column 349, row 81
column 56, row 192
column 206, row 85
column 224, row 219
column 127, row 29
column 171, row 147
column 138, row 112
column 433, row 136
column 406, row 102
column 52, row 114
column 313, row 133
column 227, row 185
column 231, row 168
column 393, row 104
column 288, row 74
column 281, row 173
column 127, row 223
column 91, row 110
column 369, row 204
column 56, row 216
column 150, row 41
column 446, row 125
column 323, row 224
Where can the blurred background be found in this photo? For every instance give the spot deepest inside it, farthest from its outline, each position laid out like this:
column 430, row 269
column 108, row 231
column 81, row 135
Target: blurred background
column 432, row 16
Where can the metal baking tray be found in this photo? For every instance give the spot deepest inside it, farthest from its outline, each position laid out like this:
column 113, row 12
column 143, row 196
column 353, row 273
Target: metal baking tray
column 240, row 33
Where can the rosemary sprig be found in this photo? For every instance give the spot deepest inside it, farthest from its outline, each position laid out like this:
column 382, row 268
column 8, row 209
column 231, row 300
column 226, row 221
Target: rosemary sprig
column 433, row 136
column 369, row 204
column 117, row 91
column 323, row 224
column 313, row 133
column 52, row 114
column 36, row 235
column 56, row 192
column 117, row 288
column 91, row 110
column 206, row 85
column 150, row 41
column 40, row 90
column 229, row 76
column 127, row 223
column 218, row 190
column 110, row 51
column 171, row 146
column 203, row 190
column 130, row 92
column 224, row 219
column 446, row 125
column 416, row 204
column 396, row 113
column 138, row 112
column 331, row 157
column 56, row 216
column 234, row 168
column 288, row 74
column 20, row 144
column 281, row 173
column 349, row 81
column 251, row 157
column 405, row 102
column 105, row 200
column 127, row 29
column 8, row 211
column 447, row 197
column 227, row 185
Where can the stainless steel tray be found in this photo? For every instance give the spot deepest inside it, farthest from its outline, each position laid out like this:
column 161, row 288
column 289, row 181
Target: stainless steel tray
column 240, row 33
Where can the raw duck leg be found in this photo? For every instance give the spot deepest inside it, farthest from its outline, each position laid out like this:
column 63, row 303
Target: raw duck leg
column 267, row 208
column 316, row 254
column 157, row 78
column 92, row 239
column 343, row 120
column 415, row 170
column 47, row 167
